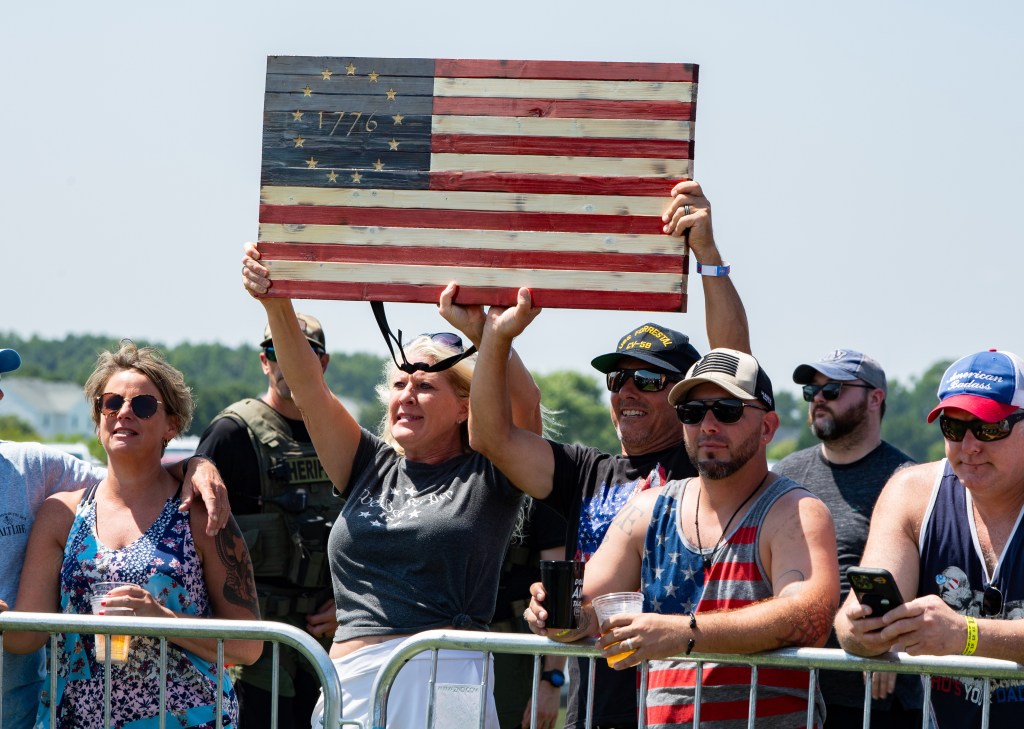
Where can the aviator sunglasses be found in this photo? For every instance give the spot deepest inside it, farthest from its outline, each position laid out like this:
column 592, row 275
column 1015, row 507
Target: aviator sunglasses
column 645, row 380
column 144, row 406
column 727, row 410
column 830, row 390
column 955, row 430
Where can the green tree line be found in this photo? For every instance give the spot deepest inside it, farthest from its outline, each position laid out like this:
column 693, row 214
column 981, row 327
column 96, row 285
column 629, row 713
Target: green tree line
column 220, row 375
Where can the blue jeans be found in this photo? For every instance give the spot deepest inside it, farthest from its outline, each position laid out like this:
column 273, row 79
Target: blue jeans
column 24, row 677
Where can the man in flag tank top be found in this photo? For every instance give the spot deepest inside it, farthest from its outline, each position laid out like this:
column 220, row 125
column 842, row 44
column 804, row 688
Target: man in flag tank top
column 950, row 533
column 735, row 560
column 587, row 486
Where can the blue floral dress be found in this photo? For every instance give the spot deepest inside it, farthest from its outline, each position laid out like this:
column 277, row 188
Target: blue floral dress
column 165, row 562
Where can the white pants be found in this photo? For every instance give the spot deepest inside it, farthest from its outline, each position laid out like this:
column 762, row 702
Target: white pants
column 410, row 695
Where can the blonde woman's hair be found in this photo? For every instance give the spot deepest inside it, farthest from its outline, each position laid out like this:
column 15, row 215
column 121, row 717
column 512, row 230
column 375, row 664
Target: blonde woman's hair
column 169, row 382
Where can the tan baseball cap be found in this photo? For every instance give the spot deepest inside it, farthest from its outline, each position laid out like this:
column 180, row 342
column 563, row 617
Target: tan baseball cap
column 738, row 373
column 309, row 325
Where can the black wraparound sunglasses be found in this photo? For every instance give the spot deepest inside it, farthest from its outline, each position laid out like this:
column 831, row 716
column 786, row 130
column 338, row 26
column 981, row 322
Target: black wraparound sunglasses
column 955, row 430
column 726, row 410
column 272, row 355
column 830, row 390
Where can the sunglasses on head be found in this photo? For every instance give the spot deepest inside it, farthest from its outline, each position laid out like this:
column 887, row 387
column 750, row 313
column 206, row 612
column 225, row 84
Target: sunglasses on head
column 144, row 406
column 272, row 355
column 645, row 380
column 830, row 390
column 955, row 430
column 447, row 339
column 727, row 410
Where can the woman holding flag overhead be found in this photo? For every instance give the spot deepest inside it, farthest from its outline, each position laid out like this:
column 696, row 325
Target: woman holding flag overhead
column 414, row 492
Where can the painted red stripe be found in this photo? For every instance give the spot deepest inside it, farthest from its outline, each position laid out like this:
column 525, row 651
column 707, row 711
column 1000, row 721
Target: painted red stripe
column 480, row 257
column 564, row 108
column 725, row 710
column 551, row 184
column 559, row 146
column 459, row 219
column 576, row 70
column 504, row 296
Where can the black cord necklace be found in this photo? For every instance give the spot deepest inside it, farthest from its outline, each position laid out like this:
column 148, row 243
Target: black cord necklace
column 709, row 558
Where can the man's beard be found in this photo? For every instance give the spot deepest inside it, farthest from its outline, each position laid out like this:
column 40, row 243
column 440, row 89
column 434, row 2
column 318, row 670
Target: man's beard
column 714, row 469
column 835, row 427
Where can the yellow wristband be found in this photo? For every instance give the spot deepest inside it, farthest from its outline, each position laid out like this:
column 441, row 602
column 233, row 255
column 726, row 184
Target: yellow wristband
column 972, row 636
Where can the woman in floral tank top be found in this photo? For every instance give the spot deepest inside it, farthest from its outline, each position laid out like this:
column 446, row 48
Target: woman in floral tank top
column 128, row 529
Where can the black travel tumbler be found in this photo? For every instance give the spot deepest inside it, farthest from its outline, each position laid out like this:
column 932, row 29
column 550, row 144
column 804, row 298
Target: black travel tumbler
column 563, row 587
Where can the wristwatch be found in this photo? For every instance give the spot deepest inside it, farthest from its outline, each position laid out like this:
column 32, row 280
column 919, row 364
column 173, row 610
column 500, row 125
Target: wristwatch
column 555, row 677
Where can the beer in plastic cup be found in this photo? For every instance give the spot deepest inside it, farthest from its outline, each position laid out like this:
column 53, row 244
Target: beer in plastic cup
column 616, row 603
column 118, row 643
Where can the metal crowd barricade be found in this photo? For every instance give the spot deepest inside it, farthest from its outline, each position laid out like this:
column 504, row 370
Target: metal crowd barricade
column 795, row 658
column 163, row 628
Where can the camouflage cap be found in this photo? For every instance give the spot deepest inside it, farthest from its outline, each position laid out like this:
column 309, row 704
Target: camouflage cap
column 309, row 325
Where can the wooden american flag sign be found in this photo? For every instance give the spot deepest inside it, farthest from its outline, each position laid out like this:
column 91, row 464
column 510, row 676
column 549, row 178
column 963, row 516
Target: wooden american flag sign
column 384, row 179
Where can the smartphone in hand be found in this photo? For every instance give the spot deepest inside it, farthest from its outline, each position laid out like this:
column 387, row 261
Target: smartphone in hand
column 876, row 588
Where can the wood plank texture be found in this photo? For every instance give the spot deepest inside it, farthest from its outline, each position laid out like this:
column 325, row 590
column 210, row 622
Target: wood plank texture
column 384, row 179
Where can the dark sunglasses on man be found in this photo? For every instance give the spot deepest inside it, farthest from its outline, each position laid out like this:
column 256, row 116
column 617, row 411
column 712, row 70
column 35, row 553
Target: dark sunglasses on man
column 645, row 380
column 726, row 410
column 955, row 430
column 830, row 390
column 144, row 406
column 272, row 355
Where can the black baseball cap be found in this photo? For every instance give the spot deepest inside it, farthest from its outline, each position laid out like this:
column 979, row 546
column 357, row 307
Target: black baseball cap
column 656, row 345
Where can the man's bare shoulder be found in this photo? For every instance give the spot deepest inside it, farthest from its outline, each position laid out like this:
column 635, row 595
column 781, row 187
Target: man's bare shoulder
column 914, row 483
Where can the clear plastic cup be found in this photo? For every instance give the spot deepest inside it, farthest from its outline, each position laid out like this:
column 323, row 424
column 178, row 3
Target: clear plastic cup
column 118, row 643
column 617, row 603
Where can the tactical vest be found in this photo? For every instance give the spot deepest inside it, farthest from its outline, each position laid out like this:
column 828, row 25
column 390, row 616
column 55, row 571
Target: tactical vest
column 287, row 540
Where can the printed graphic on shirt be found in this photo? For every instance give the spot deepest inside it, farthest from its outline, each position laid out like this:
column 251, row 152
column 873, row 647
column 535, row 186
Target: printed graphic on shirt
column 13, row 524
column 956, row 591
column 673, row 584
column 598, row 511
column 386, row 512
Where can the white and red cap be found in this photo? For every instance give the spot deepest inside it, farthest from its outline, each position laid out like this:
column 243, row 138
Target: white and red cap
column 989, row 385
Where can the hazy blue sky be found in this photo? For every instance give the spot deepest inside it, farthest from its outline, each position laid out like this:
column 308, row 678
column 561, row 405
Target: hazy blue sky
column 863, row 161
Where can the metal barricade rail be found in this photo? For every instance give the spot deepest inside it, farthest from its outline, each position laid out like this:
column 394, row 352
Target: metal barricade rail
column 795, row 658
column 164, row 628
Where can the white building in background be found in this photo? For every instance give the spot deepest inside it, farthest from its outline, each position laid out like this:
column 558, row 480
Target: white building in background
column 51, row 408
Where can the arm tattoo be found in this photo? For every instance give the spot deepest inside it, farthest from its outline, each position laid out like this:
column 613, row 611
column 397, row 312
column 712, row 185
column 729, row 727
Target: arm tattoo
column 627, row 517
column 239, row 587
column 816, row 622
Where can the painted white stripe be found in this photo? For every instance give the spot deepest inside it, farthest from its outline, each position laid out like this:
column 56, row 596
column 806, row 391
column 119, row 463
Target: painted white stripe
column 532, row 126
column 651, row 283
column 547, row 165
column 442, row 200
column 485, row 239
column 512, row 88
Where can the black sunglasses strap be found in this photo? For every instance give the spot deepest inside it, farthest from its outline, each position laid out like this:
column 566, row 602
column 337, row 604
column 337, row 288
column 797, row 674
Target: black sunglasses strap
column 406, row 365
